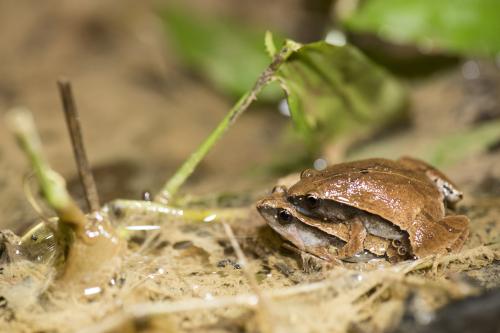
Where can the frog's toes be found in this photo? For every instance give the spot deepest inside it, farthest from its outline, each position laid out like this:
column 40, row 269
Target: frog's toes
column 311, row 263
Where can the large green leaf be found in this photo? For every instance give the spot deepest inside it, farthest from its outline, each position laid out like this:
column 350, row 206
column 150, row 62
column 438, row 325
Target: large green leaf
column 332, row 90
column 226, row 53
column 464, row 26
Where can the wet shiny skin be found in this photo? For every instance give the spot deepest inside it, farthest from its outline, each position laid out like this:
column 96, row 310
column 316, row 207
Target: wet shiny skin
column 381, row 192
column 304, row 234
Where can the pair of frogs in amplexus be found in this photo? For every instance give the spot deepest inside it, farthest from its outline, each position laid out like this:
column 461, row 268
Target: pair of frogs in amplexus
column 367, row 209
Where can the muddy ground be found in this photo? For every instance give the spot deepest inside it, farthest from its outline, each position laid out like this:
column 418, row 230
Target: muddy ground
column 142, row 113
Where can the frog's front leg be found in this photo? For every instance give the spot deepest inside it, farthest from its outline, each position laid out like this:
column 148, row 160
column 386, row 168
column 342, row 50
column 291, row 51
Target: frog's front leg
column 311, row 263
column 357, row 235
column 322, row 258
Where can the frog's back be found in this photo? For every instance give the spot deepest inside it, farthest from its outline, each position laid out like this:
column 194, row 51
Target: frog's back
column 378, row 186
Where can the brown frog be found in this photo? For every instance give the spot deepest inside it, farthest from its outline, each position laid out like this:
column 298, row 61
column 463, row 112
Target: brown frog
column 326, row 241
column 404, row 201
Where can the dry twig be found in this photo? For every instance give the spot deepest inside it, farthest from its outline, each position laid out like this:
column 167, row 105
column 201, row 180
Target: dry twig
column 75, row 132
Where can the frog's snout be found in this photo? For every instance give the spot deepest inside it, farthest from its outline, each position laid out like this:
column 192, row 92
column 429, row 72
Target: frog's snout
column 262, row 203
column 265, row 206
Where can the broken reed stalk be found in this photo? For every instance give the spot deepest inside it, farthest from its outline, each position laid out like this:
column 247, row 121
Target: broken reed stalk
column 186, row 169
column 51, row 183
column 124, row 207
column 75, row 132
column 85, row 245
column 263, row 309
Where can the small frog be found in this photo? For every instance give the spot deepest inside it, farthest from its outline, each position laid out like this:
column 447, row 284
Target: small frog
column 401, row 200
column 308, row 235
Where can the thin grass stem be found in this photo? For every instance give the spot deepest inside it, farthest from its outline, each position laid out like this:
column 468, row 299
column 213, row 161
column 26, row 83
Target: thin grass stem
column 52, row 184
column 187, row 168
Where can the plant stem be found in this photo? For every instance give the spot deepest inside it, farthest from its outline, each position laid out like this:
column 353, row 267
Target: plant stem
column 187, row 168
column 51, row 183
column 75, row 132
column 123, row 207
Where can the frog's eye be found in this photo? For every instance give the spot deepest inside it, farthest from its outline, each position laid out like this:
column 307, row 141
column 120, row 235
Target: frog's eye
column 312, row 201
column 307, row 173
column 284, row 216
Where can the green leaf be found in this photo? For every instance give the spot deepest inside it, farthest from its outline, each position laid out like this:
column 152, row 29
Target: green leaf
column 269, row 43
column 334, row 90
column 226, row 53
column 463, row 26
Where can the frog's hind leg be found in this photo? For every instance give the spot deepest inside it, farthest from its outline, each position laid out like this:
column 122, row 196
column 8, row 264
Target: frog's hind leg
column 414, row 163
column 357, row 235
column 438, row 237
column 448, row 189
column 457, row 224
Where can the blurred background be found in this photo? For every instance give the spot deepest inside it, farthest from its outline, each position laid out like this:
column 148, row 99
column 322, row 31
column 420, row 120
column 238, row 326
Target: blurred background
column 153, row 78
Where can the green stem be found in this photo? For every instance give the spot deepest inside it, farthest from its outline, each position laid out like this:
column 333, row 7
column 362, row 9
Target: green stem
column 51, row 183
column 186, row 169
column 122, row 208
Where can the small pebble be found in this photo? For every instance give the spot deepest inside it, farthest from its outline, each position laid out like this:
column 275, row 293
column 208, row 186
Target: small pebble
column 162, row 244
column 3, row 302
column 224, row 262
column 146, row 196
